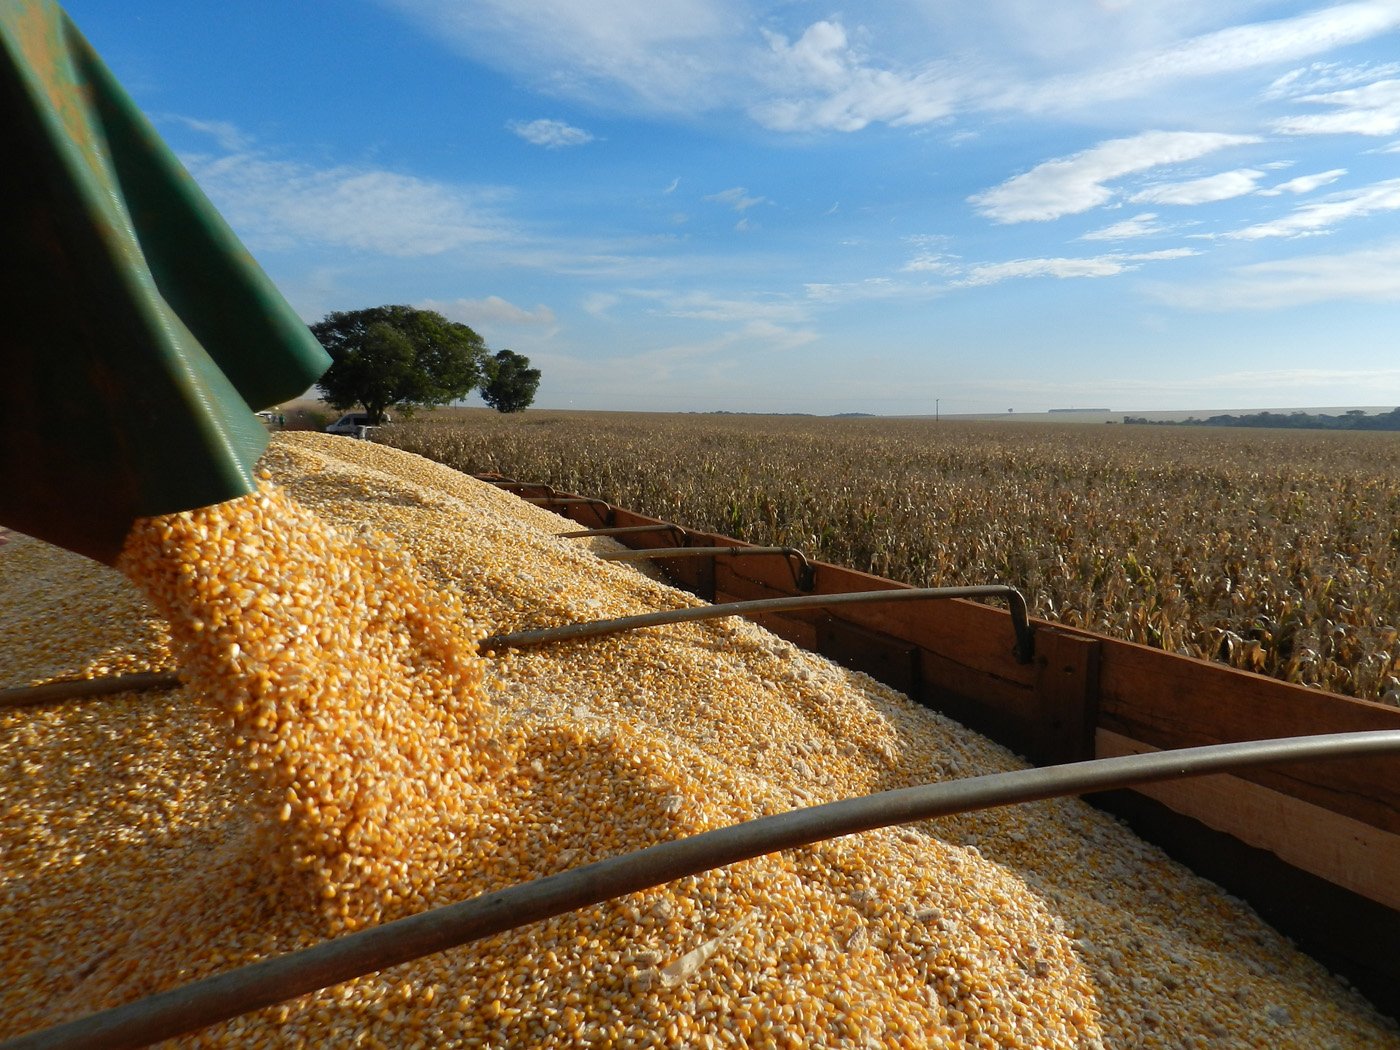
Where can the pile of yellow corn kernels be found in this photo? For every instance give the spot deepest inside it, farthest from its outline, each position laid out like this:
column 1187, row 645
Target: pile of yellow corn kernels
column 340, row 755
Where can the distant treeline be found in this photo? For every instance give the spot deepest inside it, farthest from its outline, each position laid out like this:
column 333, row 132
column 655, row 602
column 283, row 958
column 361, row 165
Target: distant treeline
column 1356, row 419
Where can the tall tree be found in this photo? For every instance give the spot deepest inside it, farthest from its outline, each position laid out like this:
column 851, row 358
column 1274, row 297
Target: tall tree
column 510, row 382
column 397, row 355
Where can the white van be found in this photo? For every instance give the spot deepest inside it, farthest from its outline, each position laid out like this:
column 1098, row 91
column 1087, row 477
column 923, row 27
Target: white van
column 353, row 424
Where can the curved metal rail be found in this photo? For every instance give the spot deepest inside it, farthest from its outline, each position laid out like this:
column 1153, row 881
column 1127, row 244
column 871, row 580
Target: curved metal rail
column 1023, row 650
column 222, row 996
column 79, row 688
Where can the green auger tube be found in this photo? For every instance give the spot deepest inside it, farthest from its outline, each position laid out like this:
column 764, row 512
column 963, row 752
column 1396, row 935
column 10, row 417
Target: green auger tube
column 138, row 335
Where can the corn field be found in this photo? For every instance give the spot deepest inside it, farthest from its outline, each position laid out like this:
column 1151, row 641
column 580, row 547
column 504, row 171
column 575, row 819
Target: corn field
column 1274, row 551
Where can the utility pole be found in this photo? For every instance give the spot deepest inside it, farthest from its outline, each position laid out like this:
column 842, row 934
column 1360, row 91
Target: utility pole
column 935, row 409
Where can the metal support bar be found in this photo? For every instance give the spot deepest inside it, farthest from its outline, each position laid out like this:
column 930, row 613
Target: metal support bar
column 802, row 575
column 1024, row 648
column 79, row 688
column 239, row 991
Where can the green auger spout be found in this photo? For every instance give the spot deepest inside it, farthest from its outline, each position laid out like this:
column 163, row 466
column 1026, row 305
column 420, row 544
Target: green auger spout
column 137, row 335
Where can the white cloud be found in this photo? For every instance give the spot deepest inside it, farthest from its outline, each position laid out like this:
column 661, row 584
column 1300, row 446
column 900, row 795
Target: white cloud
column 821, row 82
column 229, row 136
column 1366, row 275
column 672, row 187
column 706, row 307
column 1109, row 265
column 551, row 134
column 1216, row 53
column 1205, row 190
column 493, row 310
column 854, row 291
column 1077, row 183
column 663, row 55
column 1321, row 215
column 774, row 337
column 902, row 64
column 1328, row 76
column 932, row 262
column 285, row 204
column 1144, row 225
column 599, row 303
column 995, row 273
column 1370, row 110
column 1165, row 253
column 1304, row 183
column 737, row 198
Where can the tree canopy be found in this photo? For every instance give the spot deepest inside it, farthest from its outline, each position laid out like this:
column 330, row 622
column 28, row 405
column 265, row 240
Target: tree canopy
column 397, row 355
column 510, row 382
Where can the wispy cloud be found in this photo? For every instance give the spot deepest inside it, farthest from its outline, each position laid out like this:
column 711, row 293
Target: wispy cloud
column 1369, row 274
column 281, row 205
column 854, row 291
column 663, row 55
column 820, row 81
column 1304, row 183
column 901, row 69
column 551, row 134
column 1109, row 265
column 493, row 310
column 933, row 262
column 737, row 198
column 1144, row 225
column 1078, row 183
column 1370, row 110
column 1318, row 77
column 1322, row 215
column 599, row 303
column 1238, row 48
column 705, row 306
column 229, row 136
column 1205, row 190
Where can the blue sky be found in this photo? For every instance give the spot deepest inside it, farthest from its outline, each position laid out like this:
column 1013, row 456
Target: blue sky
column 727, row 204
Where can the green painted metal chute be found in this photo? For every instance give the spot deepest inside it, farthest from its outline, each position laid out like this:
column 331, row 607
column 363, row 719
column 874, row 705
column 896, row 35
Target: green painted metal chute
column 137, row 335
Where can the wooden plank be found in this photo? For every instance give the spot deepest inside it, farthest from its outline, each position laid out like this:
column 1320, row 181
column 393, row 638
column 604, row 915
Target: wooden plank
column 1346, row 852
column 972, row 634
column 1066, row 696
column 696, row 575
column 1169, row 701
column 890, row 660
column 799, row 632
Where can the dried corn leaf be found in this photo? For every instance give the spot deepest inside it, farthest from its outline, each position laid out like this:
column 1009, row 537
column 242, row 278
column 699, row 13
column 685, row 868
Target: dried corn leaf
column 689, row 964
